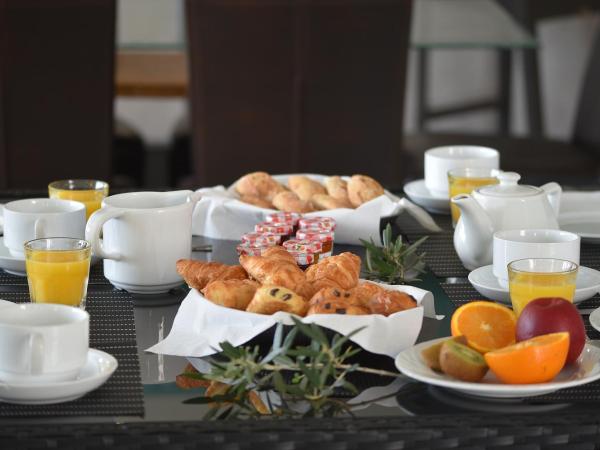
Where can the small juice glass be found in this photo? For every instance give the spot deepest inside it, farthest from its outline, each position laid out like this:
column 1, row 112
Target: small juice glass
column 58, row 270
column 532, row 278
column 89, row 192
column 464, row 181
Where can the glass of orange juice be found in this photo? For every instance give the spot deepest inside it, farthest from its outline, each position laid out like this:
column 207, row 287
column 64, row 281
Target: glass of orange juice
column 89, row 192
column 58, row 270
column 533, row 278
column 464, row 180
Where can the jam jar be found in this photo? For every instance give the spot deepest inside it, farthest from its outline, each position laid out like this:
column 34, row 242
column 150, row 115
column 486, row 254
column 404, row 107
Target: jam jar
column 324, row 237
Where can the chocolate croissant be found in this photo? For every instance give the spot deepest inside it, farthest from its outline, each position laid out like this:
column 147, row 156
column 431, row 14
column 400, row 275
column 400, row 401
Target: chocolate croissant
column 336, row 301
column 340, row 271
column 271, row 299
column 197, row 274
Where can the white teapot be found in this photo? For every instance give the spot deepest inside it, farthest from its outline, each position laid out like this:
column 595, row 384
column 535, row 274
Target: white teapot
column 503, row 206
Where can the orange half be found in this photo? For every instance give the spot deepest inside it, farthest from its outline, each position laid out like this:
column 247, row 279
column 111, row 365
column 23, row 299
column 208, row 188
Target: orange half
column 535, row 360
column 486, row 325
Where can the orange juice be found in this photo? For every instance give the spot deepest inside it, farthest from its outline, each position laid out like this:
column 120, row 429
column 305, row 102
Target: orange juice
column 525, row 287
column 89, row 192
column 58, row 276
column 461, row 182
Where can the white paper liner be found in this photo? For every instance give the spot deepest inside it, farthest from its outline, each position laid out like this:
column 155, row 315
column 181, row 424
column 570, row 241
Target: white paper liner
column 200, row 326
column 221, row 215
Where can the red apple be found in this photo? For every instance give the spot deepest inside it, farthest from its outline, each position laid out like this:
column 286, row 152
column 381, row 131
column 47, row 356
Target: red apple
column 552, row 315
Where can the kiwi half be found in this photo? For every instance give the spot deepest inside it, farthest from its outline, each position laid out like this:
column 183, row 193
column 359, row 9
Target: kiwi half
column 431, row 354
column 462, row 362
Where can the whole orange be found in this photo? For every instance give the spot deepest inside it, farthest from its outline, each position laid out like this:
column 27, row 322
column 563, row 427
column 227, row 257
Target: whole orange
column 535, row 360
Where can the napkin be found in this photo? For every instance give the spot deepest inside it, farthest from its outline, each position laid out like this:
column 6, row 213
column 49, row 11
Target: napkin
column 200, row 326
column 221, row 215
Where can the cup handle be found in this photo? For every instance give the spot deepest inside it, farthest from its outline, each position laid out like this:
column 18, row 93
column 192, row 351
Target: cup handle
column 94, row 227
column 36, row 354
column 38, row 229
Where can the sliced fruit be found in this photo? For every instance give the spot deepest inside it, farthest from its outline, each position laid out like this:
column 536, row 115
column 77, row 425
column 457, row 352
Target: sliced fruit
column 431, row 354
column 535, row 360
column 486, row 325
column 462, row 362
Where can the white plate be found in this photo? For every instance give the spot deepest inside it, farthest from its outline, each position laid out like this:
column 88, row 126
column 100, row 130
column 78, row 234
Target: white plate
column 595, row 319
column 98, row 368
column 418, row 193
column 584, row 223
column 484, row 281
column 10, row 263
column 585, row 370
column 5, row 303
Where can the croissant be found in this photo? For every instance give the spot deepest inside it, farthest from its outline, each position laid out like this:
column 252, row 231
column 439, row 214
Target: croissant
column 278, row 253
column 197, row 274
column 274, row 271
column 390, row 302
column 365, row 291
column 339, row 271
column 231, row 293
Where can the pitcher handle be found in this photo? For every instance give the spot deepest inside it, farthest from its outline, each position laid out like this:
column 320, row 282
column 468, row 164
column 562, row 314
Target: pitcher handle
column 36, row 354
column 94, row 227
column 554, row 192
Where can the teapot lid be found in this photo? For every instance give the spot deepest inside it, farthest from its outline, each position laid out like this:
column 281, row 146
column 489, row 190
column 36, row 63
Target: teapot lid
column 508, row 187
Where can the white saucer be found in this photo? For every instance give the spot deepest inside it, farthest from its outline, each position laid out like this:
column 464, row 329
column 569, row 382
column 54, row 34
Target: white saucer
column 10, row 263
column 585, row 370
column 98, row 368
column 418, row 193
column 595, row 319
column 584, row 223
column 484, row 281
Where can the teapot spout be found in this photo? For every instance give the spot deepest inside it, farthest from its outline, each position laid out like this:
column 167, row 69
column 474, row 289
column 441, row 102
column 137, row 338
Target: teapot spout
column 473, row 234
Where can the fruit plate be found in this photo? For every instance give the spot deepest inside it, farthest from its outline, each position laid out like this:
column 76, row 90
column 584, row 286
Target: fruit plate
column 585, row 370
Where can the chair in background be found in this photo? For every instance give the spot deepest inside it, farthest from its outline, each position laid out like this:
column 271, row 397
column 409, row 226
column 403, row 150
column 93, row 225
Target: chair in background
column 298, row 86
column 56, row 91
column 539, row 160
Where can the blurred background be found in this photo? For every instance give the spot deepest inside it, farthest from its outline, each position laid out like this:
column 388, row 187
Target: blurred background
column 159, row 93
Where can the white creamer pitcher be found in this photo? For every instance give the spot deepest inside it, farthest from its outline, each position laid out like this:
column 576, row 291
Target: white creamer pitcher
column 144, row 234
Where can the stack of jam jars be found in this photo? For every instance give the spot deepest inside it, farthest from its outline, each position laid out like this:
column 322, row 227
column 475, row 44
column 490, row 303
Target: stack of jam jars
column 320, row 229
column 313, row 237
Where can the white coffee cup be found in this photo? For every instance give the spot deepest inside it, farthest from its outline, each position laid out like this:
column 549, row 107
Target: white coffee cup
column 41, row 343
column 440, row 160
column 144, row 234
column 34, row 218
column 511, row 245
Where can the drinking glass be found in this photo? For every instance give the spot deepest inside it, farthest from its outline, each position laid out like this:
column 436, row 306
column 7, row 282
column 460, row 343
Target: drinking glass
column 465, row 180
column 58, row 270
column 89, row 192
column 532, row 278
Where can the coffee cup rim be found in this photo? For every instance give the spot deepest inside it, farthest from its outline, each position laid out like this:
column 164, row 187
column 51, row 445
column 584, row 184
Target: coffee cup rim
column 74, row 206
column 442, row 152
column 81, row 316
column 109, row 201
column 513, row 236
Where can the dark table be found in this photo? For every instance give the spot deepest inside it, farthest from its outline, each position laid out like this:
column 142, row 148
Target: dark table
column 415, row 415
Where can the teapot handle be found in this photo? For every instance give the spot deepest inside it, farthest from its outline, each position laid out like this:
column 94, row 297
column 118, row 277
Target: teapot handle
column 553, row 191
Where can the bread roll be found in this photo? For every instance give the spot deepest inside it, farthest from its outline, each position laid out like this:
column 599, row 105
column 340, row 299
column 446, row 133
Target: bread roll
column 304, row 187
column 337, row 188
column 290, row 202
column 362, row 188
column 259, row 184
column 324, row 201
